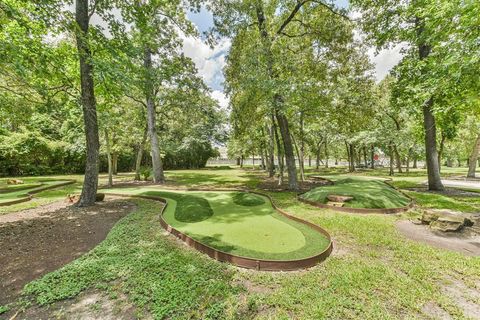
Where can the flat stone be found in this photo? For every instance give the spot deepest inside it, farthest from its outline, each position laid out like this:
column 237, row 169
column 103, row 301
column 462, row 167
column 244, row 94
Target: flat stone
column 338, row 198
column 448, row 223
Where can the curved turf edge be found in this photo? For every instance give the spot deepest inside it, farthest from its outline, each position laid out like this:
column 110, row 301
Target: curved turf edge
column 240, row 261
column 29, row 194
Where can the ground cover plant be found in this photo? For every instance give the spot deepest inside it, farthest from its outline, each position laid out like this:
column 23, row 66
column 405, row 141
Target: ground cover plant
column 238, row 223
column 366, row 193
column 409, row 279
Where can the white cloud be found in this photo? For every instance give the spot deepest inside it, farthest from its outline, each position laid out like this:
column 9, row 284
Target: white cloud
column 385, row 60
column 209, row 62
column 221, row 98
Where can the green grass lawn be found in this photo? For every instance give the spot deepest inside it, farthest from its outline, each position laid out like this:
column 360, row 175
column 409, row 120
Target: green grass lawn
column 373, row 272
column 19, row 191
column 238, row 223
column 366, row 193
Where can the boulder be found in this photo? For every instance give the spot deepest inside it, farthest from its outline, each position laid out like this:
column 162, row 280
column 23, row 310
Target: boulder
column 474, row 220
column 448, row 223
column 338, row 198
column 99, row 197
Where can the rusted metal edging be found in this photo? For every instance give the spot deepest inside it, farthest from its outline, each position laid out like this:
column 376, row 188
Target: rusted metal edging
column 244, row 262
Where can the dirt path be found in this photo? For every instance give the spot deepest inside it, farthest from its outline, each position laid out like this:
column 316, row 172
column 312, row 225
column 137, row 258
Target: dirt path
column 36, row 241
column 459, row 242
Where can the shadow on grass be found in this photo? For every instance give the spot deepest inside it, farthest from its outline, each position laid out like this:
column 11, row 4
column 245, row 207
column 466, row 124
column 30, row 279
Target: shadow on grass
column 190, row 208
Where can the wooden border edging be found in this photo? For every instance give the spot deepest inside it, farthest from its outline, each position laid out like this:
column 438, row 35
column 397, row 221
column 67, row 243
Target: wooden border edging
column 244, row 262
column 40, row 189
column 362, row 210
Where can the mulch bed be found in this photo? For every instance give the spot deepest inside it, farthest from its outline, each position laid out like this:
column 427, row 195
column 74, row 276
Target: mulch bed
column 32, row 247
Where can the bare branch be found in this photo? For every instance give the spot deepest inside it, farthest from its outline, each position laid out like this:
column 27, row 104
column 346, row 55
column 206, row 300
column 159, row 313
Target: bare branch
column 136, row 100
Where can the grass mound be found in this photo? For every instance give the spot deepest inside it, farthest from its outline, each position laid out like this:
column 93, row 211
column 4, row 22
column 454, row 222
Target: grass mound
column 247, row 199
column 373, row 194
column 189, row 208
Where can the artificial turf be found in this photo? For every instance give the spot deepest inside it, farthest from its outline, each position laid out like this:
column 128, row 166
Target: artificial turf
column 242, row 224
column 366, row 193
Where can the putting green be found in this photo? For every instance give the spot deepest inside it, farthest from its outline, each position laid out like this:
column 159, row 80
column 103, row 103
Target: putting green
column 366, row 193
column 15, row 192
column 238, row 223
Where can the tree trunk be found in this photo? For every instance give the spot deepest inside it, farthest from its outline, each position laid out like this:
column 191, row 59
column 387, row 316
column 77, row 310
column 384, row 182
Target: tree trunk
column 433, row 170
column 440, row 150
column 326, row 153
column 277, row 98
column 434, row 181
column 347, row 145
column 408, row 159
column 109, row 160
column 138, row 161
column 352, row 156
column 300, row 159
column 415, row 165
column 390, row 149
column 157, row 166
column 372, row 157
column 241, row 161
column 253, row 161
column 90, row 183
column 279, row 152
column 309, row 161
column 271, row 151
column 317, row 160
column 238, row 161
column 288, row 150
column 301, row 154
column 472, row 160
column 398, row 160
column 365, row 156
column 114, row 163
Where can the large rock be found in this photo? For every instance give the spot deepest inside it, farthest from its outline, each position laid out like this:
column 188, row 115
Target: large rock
column 448, row 223
column 446, row 220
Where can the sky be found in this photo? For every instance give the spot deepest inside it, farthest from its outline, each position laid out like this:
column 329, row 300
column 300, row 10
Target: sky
column 210, row 62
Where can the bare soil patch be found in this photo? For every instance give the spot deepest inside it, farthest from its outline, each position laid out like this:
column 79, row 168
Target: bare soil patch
column 37, row 241
column 464, row 242
column 88, row 305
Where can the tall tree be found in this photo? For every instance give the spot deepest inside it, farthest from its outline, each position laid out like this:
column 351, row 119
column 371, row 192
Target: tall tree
column 90, row 184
